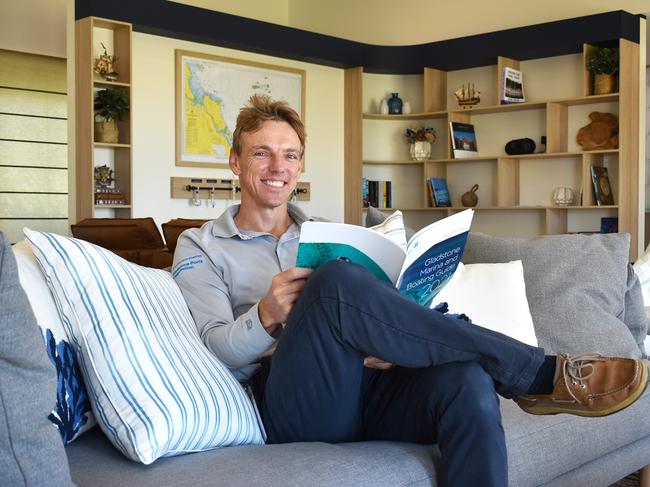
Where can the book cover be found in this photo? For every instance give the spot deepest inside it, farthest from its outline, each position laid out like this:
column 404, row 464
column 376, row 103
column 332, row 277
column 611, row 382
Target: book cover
column 512, row 90
column 439, row 192
column 609, row 225
column 602, row 189
column 463, row 140
column 419, row 270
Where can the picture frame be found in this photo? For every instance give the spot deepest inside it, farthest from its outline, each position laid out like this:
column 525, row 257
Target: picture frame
column 223, row 86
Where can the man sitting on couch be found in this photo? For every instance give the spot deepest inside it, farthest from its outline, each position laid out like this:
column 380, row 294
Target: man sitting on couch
column 357, row 361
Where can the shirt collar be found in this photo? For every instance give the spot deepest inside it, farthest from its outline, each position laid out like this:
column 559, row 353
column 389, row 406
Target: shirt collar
column 225, row 226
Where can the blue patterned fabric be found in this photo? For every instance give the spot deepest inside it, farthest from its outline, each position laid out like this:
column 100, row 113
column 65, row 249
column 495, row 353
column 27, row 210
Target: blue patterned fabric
column 70, row 413
column 156, row 390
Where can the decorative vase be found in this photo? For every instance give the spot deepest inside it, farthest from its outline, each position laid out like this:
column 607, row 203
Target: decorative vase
column 470, row 198
column 107, row 132
column 406, row 108
column 563, row 196
column 603, row 84
column 383, row 107
column 420, row 150
column 395, row 104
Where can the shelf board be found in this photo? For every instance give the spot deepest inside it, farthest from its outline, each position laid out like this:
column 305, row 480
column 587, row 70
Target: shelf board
column 112, row 206
column 549, row 155
column 510, row 107
column 410, row 116
column 503, row 208
column 405, row 162
column 103, row 82
column 115, row 146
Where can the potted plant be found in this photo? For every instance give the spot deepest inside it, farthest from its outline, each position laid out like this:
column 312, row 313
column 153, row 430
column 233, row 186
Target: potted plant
column 603, row 65
column 110, row 105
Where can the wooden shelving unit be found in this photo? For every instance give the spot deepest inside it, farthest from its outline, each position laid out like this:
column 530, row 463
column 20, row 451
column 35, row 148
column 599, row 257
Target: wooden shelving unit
column 90, row 33
column 508, row 191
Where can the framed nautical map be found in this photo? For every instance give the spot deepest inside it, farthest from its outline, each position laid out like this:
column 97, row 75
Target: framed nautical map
column 210, row 91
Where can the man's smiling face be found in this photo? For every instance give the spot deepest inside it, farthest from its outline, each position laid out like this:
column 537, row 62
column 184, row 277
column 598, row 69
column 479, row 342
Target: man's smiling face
column 269, row 164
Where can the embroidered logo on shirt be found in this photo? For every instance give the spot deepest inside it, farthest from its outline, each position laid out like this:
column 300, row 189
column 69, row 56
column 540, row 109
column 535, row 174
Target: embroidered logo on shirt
column 249, row 324
column 186, row 264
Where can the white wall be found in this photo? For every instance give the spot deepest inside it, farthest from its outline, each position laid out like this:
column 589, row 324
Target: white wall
column 154, row 132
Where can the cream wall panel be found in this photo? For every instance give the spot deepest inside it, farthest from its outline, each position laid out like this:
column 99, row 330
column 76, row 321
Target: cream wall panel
column 154, row 133
column 30, row 180
column 33, row 154
column 32, row 72
column 420, row 21
column 33, row 103
column 33, row 205
column 37, row 26
column 13, row 229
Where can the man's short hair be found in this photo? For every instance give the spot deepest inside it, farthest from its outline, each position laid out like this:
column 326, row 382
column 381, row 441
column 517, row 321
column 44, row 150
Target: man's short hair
column 261, row 108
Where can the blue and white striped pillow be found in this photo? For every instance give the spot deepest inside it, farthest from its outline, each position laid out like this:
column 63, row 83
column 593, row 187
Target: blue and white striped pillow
column 154, row 387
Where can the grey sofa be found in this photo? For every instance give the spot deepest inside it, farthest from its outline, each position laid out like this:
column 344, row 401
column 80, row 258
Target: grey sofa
column 582, row 295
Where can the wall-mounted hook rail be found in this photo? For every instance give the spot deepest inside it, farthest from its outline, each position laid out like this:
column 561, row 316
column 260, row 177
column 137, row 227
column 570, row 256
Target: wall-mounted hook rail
column 221, row 189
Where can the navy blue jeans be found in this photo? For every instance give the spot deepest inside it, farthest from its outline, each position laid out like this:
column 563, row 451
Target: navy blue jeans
column 442, row 389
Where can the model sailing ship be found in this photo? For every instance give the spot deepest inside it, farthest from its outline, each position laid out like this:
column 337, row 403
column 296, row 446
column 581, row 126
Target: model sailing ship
column 467, row 97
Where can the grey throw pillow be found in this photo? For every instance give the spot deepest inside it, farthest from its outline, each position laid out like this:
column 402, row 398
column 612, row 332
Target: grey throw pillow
column 31, row 451
column 582, row 294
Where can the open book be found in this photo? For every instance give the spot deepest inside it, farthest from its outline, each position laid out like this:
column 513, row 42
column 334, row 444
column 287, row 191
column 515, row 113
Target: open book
column 419, row 268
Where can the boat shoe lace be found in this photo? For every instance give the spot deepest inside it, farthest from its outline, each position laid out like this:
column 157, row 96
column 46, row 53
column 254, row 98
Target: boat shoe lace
column 578, row 369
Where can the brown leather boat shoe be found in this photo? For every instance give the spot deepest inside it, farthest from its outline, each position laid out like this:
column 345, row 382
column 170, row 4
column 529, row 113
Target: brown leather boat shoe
column 590, row 385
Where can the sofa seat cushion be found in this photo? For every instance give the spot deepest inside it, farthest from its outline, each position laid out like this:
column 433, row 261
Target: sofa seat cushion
column 94, row 462
column 543, row 448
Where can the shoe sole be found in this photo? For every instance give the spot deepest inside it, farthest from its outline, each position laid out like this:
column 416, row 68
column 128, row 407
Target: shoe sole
column 605, row 412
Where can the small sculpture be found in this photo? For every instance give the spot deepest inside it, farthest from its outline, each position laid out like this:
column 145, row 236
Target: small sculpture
column 104, row 66
column 470, row 198
column 601, row 133
column 467, row 97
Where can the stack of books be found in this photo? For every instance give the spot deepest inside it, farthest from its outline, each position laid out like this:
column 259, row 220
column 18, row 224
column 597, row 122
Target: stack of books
column 377, row 193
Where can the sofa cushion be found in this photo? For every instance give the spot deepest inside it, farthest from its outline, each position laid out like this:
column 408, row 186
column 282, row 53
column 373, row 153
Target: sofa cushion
column 94, row 463
column 31, row 451
column 577, row 288
column 71, row 414
column 155, row 389
column 543, row 448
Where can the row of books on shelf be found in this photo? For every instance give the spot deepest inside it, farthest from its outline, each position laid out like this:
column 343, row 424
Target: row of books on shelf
column 377, row 193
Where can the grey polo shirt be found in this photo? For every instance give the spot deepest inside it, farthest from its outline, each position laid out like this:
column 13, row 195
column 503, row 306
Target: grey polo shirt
column 223, row 272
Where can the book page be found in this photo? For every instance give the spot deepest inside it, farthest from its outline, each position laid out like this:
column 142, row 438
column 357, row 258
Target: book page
column 321, row 242
column 432, row 256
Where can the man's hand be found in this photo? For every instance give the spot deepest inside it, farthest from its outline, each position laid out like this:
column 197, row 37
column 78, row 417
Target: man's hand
column 274, row 308
column 376, row 363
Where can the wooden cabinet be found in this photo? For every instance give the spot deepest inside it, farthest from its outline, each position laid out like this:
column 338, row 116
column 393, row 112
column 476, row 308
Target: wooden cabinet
column 515, row 195
column 91, row 33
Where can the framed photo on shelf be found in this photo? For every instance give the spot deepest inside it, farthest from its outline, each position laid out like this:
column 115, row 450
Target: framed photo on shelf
column 210, row 91
column 602, row 188
column 463, row 140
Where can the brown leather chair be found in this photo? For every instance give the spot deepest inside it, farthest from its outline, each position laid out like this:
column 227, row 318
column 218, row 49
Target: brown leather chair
column 173, row 228
column 137, row 240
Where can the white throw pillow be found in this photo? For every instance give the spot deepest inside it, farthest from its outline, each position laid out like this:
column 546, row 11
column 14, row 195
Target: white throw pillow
column 71, row 414
column 492, row 296
column 155, row 388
